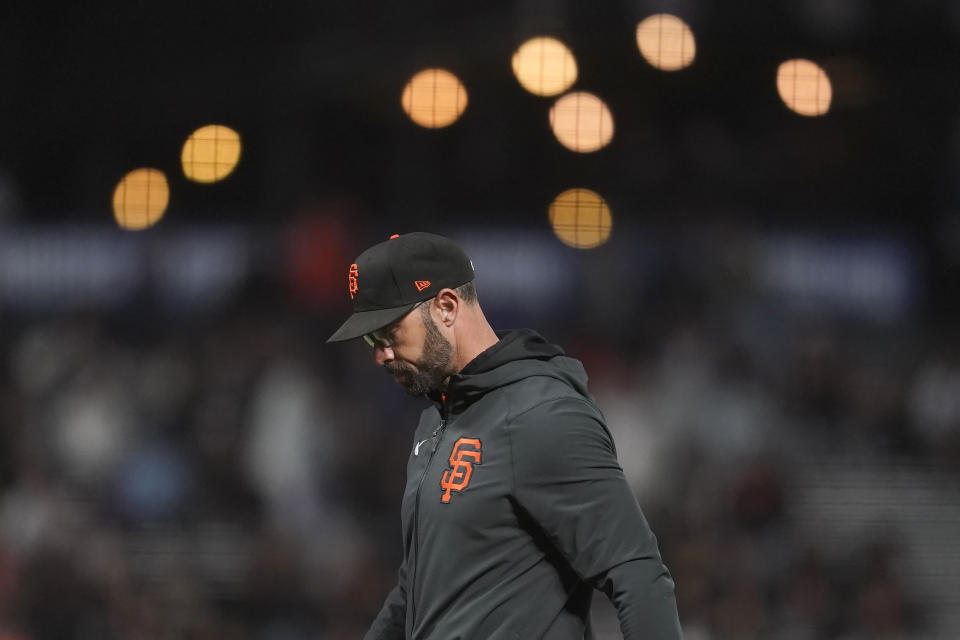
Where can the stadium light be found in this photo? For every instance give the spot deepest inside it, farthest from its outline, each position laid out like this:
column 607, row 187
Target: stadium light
column 804, row 87
column 434, row 98
column 666, row 42
column 544, row 66
column 581, row 218
column 140, row 199
column 211, row 153
column 582, row 122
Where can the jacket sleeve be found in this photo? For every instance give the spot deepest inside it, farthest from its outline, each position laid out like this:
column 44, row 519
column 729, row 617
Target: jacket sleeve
column 390, row 623
column 566, row 476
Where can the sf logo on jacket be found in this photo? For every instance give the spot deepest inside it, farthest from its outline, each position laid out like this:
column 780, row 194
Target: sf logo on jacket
column 466, row 453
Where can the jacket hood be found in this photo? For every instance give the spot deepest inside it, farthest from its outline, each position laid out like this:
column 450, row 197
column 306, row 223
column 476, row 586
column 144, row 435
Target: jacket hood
column 517, row 355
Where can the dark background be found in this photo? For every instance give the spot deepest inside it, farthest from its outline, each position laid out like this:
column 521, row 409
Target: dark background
column 771, row 329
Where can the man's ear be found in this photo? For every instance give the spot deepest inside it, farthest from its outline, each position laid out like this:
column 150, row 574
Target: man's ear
column 448, row 304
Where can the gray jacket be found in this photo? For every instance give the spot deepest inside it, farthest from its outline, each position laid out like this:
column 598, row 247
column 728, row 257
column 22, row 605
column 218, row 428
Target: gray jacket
column 516, row 508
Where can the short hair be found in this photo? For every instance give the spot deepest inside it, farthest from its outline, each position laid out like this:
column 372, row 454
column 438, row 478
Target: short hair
column 467, row 292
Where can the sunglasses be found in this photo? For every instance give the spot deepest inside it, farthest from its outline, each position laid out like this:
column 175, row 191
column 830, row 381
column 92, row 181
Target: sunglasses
column 380, row 337
column 384, row 337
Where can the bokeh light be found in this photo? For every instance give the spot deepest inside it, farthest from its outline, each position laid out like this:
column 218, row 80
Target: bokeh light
column 140, row 199
column 544, row 66
column 581, row 218
column 666, row 42
column 581, row 121
column 434, row 98
column 804, row 87
column 211, row 153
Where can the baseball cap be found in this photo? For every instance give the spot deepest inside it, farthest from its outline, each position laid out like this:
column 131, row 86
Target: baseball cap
column 389, row 279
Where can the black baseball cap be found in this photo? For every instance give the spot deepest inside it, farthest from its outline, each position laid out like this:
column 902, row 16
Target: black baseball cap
column 389, row 279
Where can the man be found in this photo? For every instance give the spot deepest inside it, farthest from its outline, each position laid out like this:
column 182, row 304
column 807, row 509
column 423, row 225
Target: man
column 515, row 507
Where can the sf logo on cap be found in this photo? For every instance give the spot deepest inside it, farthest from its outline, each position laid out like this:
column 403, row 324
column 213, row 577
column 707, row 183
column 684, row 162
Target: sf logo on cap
column 352, row 280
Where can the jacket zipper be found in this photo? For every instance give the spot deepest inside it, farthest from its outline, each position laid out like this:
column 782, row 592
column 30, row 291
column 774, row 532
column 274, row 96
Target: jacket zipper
column 437, row 436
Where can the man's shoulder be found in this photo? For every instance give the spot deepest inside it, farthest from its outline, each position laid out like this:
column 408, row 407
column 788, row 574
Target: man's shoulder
column 538, row 396
column 556, row 417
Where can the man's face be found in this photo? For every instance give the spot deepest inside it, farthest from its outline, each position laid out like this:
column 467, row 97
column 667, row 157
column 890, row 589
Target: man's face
column 415, row 353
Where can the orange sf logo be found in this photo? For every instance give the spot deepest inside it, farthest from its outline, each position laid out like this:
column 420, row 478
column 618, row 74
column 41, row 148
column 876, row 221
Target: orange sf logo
column 352, row 280
column 465, row 454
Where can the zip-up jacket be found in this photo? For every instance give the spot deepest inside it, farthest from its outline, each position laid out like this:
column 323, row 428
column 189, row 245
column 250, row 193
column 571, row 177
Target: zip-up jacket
column 516, row 508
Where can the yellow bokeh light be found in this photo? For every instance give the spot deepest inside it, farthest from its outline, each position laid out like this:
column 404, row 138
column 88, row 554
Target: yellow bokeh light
column 544, row 66
column 140, row 199
column 581, row 121
column 434, row 98
column 581, row 218
column 211, row 153
column 804, row 87
column 666, row 42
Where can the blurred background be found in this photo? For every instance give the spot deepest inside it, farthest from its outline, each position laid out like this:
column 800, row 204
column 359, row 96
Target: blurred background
column 745, row 220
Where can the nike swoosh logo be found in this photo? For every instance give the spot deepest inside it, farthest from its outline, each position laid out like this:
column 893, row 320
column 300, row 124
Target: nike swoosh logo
column 416, row 449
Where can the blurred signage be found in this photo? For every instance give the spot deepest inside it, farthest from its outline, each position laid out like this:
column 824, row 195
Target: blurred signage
column 520, row 272
column 870, row 276
column 200, row 268
column 70, row 267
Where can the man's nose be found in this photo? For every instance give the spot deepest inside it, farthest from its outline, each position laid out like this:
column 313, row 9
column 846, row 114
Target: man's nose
column 382, row 355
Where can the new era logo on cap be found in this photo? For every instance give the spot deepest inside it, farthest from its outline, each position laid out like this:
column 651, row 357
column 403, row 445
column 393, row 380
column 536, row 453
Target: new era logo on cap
column 380, row 278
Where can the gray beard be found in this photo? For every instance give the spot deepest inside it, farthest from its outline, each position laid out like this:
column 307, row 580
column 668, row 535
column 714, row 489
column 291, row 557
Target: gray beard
column 431, row 370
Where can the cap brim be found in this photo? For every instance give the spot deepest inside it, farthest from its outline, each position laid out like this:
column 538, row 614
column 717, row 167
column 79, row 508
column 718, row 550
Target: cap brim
column 363, row 322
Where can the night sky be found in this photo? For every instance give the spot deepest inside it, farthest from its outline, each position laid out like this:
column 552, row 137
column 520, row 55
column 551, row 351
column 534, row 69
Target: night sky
column 313, row 88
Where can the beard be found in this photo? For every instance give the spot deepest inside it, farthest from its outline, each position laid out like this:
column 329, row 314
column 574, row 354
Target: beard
column 431, row 371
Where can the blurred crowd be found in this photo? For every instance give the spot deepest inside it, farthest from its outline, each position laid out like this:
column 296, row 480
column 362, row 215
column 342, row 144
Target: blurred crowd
column 231, row 476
